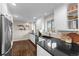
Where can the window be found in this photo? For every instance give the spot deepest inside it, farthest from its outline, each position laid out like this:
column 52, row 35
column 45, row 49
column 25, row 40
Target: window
column 50, row 26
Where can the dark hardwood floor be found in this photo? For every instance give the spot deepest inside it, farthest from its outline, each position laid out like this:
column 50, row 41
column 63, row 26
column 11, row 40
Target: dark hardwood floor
column 24, row 48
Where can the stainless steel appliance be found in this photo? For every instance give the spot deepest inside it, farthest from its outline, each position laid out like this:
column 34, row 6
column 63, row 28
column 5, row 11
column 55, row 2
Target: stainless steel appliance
column 5, row 35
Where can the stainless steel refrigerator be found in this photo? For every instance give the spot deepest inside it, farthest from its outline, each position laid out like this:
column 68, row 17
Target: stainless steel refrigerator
column 5, row 35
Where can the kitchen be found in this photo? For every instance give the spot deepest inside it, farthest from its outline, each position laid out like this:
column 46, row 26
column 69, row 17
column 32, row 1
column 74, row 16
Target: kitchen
column 48, row 29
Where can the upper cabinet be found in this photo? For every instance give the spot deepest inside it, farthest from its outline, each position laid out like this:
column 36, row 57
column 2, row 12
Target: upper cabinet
column 72, row 14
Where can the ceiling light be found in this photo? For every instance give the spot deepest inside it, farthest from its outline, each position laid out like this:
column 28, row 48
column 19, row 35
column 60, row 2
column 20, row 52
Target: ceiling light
column 13, row 4
column 34, row 17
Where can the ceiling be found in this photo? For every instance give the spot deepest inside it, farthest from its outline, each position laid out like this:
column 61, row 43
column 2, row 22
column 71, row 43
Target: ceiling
column 29, row 11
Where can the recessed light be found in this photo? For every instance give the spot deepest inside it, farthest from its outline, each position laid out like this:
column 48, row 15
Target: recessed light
column 14, row 4
column 34, row 17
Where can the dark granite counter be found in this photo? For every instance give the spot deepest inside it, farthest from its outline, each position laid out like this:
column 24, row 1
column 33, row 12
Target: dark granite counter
column 62, row 48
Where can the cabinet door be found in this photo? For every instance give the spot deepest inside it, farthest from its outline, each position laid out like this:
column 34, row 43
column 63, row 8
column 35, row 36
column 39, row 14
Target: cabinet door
column 59, row 53
column 42, row 52
column 32, row 38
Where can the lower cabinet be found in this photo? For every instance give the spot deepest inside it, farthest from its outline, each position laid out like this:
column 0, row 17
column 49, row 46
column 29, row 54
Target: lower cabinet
column 32, row 38
column 42, row 52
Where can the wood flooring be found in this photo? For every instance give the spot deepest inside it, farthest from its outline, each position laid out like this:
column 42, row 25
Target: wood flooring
column 23, row 48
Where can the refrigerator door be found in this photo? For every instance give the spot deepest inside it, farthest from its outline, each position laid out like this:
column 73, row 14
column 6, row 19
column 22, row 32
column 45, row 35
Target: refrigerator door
column 0, row 34
column 7, row 35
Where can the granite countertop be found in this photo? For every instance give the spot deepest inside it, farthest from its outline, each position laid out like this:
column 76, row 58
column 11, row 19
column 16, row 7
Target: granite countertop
column 62, row 46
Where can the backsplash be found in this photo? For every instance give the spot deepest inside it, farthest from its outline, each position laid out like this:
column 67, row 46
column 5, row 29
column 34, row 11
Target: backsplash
column 63, row 36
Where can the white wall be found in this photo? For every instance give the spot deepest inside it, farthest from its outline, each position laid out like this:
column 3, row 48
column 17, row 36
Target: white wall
column 0, row 7
column 60, row 17
column 20, row 34
column 40, row 24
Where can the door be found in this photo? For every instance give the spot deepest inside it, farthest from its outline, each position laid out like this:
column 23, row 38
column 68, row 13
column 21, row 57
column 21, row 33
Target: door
column 7, row 35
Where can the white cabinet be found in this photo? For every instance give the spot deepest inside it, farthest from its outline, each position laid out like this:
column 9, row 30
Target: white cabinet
column 32, row 38
column 42, row 52
column 41, row 39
